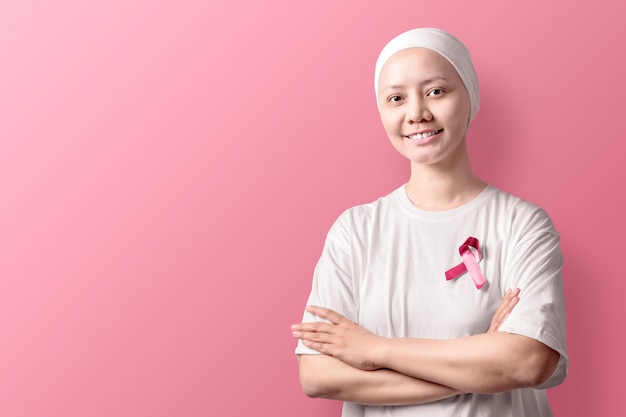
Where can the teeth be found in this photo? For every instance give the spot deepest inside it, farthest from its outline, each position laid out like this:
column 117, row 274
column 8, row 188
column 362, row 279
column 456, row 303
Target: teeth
column 424, row 135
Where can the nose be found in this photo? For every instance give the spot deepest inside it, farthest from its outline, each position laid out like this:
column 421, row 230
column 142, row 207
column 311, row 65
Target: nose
column 418, row 112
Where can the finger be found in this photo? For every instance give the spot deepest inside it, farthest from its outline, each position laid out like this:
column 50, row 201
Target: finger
column 504, row 312
column 314, row 337
column 326, row 313
column 511, row 301
column 314, row 326
column 507, row 304
column 501, row 310
column 515, row 292
column 320, row 347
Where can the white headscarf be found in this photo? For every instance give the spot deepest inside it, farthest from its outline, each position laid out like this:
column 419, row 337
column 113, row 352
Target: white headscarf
column 447, row 46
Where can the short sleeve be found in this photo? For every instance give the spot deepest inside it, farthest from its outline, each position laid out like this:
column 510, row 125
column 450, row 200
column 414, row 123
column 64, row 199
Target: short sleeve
column 534, row 264
column 332, row 279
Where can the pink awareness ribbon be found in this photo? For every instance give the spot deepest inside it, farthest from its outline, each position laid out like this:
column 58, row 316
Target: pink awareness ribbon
column 469, row 264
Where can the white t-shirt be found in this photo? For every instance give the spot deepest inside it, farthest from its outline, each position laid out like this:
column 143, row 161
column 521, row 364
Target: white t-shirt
column 383, row 266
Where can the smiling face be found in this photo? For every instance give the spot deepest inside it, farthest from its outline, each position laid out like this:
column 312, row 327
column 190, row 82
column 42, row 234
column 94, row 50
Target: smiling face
column 424, row 106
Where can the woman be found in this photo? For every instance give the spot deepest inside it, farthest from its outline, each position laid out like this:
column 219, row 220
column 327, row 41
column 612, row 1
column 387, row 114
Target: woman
column 396, row 319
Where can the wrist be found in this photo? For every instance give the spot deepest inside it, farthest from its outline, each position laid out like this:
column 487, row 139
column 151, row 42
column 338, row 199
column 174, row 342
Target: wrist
column 381, row 352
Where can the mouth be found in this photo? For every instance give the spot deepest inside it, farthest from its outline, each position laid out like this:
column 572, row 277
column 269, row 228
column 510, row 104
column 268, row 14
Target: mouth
column 424, row 135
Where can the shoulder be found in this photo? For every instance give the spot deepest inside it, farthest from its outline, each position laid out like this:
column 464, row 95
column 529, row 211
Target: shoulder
column 527, row 224
column 368, row 212
column 531, row 221
column 526, row 218
column 362, row 218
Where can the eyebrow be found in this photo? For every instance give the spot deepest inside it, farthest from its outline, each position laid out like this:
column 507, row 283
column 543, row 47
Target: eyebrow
column 429, row 80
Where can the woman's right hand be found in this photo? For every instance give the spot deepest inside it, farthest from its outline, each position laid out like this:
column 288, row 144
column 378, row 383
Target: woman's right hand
column 510, row 299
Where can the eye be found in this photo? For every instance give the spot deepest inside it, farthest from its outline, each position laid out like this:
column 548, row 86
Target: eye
column 395, row 98
column 435, row 92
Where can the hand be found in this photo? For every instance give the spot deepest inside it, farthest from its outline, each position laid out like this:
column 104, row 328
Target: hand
column 341, row 338
column 510, row 299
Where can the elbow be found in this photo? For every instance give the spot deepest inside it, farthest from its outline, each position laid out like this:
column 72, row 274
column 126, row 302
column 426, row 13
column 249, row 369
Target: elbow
column 314, row 382
column 311, row 385
column 530, row 377
column 312, row 388
column 536, row 368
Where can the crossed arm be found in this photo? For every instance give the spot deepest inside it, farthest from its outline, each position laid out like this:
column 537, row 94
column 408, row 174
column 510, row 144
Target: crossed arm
column 358, row 366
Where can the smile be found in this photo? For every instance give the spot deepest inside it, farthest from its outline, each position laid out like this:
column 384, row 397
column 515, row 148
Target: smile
column 424, row 135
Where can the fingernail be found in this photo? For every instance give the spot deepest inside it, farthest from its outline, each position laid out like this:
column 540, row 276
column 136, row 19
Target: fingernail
column 295, row 334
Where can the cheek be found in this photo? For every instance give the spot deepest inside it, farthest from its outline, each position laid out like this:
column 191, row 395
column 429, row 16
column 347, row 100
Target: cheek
column 390, row 122
column 464, row 109
column 457, row 116
column 385, row 123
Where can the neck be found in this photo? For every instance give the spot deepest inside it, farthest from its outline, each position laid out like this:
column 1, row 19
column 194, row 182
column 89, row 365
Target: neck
column 445, row 185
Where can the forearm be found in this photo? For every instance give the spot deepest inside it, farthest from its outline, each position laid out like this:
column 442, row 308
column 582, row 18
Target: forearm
column 323, row 376
column 486, row 363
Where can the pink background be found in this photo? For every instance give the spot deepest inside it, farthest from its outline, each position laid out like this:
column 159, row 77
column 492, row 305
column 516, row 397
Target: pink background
column 169, row 171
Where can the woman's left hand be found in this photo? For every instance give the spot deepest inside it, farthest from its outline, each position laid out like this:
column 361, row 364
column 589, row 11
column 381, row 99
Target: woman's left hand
column 341, row 338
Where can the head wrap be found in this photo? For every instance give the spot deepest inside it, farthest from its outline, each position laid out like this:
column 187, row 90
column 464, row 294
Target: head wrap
column 447, row 46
